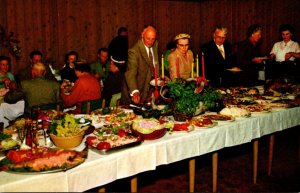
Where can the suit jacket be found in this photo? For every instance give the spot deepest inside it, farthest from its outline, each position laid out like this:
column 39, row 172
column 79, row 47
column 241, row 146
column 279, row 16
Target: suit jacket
column 40, row 91
column 138, row 74
column 215, row 64
column 245, row 53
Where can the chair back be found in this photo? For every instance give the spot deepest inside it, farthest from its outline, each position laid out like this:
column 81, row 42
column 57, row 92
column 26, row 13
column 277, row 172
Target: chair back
column 50, row 106
column 90, row 105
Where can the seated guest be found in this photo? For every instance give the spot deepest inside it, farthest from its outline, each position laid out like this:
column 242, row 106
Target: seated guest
column 13, row 105
column 217, row 57
column 181, row 59
column 100, row 69
column 39, row 90
column 249, row 56
column 86, row 87
column 5, row 76
column 68, row 72
column 115, row 78
column 34, row 57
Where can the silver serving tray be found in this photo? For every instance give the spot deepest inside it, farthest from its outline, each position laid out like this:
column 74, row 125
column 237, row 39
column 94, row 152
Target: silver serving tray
column 118, row 148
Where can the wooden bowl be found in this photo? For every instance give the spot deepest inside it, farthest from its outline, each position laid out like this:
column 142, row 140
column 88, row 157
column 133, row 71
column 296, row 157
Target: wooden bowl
column 67, row 142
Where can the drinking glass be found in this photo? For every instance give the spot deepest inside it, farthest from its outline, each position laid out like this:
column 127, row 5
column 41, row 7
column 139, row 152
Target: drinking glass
column 21, row 133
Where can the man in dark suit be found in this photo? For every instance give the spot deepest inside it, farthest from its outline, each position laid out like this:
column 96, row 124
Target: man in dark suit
column 141, row 67
column 217, row 58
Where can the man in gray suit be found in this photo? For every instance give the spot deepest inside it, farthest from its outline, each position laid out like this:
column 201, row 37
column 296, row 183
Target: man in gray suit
column 141, row 69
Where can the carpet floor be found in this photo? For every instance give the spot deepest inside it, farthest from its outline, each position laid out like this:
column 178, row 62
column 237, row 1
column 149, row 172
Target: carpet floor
column 234, row 170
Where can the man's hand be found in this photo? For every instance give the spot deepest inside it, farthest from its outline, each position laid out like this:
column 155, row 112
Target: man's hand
column 136, row 98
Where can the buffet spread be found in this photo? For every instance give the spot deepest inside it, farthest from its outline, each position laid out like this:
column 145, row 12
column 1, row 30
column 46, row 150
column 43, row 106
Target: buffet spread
column 129, row 140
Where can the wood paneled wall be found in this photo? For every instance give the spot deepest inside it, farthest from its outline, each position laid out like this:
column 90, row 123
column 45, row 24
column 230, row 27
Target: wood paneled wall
column 58, row 26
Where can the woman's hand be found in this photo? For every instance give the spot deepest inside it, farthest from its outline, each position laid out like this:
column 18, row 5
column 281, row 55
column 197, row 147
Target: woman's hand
column 6, row 82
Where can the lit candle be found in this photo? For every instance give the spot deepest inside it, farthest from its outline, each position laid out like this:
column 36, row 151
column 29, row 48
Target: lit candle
column 197, row 67
column 162, row 66
column 203, row 74
column 192, row 69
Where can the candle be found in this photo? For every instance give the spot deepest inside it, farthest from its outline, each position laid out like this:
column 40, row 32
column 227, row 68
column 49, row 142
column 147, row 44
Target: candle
column 155, row 76
column 203, row 74
column 162, row 66
column 192, row 69
column 197, row 67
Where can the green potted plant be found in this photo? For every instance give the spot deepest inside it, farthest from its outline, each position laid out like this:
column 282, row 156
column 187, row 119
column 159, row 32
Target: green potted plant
column 185, row 100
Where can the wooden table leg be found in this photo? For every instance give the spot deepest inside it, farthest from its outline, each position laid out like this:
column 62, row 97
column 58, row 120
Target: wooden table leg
column 102, row 189
column 271, row 146
column 255, row 156
column 133, row 183
column 215, row 170
column 192, row 174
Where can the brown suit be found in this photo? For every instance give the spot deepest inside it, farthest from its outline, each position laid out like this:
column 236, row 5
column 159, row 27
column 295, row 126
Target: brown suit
column 138, row 74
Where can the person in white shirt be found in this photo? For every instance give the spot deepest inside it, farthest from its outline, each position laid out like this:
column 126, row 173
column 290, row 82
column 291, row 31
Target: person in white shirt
column 287, row 49
column 13, row 105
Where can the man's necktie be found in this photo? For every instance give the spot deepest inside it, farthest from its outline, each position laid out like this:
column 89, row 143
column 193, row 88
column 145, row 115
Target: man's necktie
column 222, row 52
column 151, row 62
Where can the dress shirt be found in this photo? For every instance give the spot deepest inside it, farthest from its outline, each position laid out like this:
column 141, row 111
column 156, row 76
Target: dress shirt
column 147, row 50
column 281, row 48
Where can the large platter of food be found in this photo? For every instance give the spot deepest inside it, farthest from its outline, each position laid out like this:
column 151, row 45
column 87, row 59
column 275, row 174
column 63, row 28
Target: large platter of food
column 150, row 129
column 42, row 160
column 202, row 122
column 110, row 138
column 218, row 117
column 235, row 111
column 256, row 109
column 183, row 127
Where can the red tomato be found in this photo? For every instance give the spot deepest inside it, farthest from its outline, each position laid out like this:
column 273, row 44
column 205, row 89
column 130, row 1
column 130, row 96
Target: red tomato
column 19, row 156
column 122, row 133
column 103, row 145
column 90, row 139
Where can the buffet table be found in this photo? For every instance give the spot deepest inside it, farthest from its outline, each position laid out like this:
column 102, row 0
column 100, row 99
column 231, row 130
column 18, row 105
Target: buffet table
column 99, row 170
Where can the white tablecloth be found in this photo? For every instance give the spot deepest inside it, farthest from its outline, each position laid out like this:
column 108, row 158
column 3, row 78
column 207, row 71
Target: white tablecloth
column 99, row 169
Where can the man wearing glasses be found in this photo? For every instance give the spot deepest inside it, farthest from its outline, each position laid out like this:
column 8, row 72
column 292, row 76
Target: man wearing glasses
column 217, row 57
column 181, row 59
